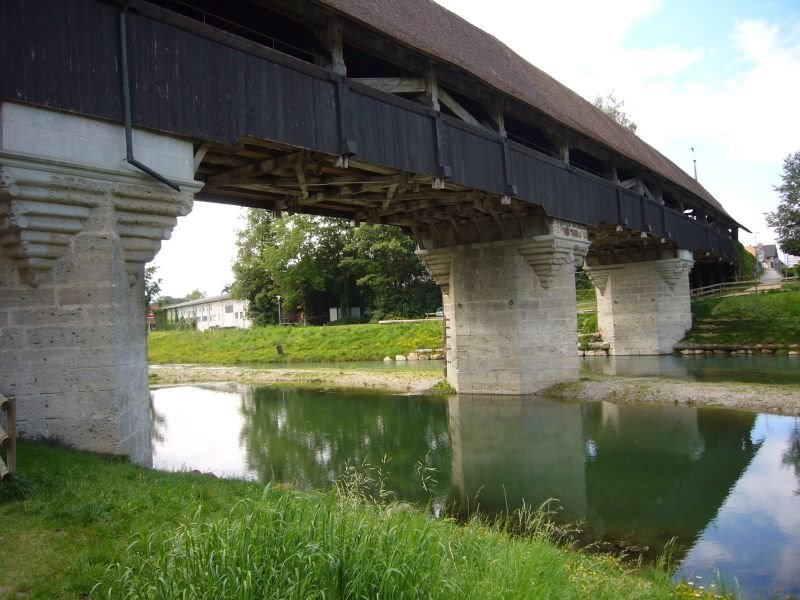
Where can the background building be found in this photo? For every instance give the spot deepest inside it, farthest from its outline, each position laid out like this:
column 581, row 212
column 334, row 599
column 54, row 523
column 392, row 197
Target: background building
column 211, row 313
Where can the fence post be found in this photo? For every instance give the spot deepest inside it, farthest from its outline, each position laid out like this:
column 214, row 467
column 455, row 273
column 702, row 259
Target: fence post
column 8, row 438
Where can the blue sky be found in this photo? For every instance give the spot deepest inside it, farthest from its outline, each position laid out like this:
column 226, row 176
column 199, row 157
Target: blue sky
column 722, row 77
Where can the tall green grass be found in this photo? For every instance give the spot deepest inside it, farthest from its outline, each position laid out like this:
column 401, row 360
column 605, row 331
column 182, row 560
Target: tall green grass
column 298, row 344
column 85, row 524
column 764, row 318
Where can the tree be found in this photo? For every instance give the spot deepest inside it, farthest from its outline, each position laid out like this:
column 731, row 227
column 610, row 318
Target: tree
column 194, row 295
column 297, row 257
column 786, row 219
column 391, row 278
column 613, row 107
column 252, row 282
column 152, row 286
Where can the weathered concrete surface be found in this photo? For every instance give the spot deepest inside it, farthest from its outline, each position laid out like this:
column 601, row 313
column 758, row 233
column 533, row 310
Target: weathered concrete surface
column 510, row 311
column 77, row 225
column 643, row 307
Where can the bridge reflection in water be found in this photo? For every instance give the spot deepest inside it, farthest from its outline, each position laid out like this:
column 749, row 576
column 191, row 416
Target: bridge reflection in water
column 638, row 474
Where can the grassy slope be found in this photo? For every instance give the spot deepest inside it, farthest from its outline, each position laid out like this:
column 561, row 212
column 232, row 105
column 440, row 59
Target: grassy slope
column 258, row 345
column 764, row 318
column 80, row 513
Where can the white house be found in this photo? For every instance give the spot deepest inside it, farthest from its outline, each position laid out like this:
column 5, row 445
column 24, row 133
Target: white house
column 211, row 313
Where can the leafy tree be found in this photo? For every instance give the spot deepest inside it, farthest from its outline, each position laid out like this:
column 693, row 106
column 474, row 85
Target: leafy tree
column 194, row 295
column 613, row 107
column 152, row 286
column 391, row 278
column 295, row 257
column 746, row 262
column 786, row 219
column 303, row 261
column 252, row 281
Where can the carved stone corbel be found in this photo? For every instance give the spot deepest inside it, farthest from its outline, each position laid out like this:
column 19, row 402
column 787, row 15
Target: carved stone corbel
column 40, row 213
column 547, row 254
column 439, row 264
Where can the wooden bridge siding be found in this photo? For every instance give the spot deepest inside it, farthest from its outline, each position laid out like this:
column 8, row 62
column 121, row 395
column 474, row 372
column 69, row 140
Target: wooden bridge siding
column 476, row 160
column 52, row 36
column 227, row 94
column 186, row 84
column 407, row 137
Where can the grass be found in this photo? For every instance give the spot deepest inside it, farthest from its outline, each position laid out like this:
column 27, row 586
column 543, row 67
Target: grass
column 765, row 318
column 79, row 524
column 299, row 344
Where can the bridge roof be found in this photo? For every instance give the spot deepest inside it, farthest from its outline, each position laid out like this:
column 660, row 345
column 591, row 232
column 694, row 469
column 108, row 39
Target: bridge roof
column 434, row 30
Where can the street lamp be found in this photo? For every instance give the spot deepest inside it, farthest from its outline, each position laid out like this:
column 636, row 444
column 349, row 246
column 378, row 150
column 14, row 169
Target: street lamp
column 279, row 309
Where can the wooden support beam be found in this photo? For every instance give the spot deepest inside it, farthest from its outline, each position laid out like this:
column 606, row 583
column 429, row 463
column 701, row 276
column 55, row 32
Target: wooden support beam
column 461, row 112
column 431, row 95
column 300, row 171
column 200, row 154
column 334, row 43
column 262, row 167
column 394, row 85
column 498, row 116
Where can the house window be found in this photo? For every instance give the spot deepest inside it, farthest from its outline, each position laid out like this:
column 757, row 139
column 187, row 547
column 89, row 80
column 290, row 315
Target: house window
column 229, row 308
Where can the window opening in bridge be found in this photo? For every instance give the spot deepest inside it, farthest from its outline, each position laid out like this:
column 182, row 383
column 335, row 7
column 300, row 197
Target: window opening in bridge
column 362, row 64
column 530, row 136
column 624, row 174
column 586, row 162
column 251, row 21
column 671, row 202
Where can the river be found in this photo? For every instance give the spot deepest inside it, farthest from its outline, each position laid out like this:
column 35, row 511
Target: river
column 724, row 483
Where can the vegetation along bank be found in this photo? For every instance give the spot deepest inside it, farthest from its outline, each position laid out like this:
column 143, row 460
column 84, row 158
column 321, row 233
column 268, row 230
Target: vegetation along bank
column 78, row 525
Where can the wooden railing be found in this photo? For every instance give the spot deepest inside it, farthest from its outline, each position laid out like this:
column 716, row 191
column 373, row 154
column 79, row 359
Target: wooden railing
column 748, row 286
column 8, row 438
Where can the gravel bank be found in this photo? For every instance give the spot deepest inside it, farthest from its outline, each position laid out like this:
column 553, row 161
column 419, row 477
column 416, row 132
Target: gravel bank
column 778, row 399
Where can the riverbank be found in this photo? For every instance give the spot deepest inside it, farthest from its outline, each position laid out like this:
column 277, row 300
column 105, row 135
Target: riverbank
column 763, row 398
column 410, row 381
column 767, row 398
column 76, row 525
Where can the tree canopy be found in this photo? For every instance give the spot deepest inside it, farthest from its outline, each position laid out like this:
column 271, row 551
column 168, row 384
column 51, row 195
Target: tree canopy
column 314, row 263
column 613, row 107
column 785, row 220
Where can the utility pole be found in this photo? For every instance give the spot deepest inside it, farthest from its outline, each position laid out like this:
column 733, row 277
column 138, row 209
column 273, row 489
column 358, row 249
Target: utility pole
column 694, row 162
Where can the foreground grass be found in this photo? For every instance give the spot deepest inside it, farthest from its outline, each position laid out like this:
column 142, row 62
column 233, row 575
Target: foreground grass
column 299, row 344
column 78, row 524
column 764, row 318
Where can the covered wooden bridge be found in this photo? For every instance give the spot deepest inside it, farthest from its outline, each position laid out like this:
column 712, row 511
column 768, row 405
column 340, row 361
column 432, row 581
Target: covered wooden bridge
column 116, row 115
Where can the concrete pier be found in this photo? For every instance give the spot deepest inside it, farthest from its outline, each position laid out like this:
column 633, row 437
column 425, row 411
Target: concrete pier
column 644, row 307
column 77, row 225
column 510, row 310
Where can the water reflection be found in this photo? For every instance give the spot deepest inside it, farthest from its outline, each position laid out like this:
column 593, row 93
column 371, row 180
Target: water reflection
column 724, row 482
column 641, row 473
column 306, row 438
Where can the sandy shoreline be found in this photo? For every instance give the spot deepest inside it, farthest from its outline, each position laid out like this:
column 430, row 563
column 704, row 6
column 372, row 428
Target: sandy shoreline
column 767, row 398
column 409, row 382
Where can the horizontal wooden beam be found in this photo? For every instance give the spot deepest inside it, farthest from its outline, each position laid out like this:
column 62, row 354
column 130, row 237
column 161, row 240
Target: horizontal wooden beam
column 393, row 85
column 256, row 169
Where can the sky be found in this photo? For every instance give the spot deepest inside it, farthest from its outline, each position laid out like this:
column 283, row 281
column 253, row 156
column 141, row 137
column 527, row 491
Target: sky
column 722, row 77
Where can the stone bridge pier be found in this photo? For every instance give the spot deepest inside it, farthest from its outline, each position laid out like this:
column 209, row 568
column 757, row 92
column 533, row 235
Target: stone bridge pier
column 643, row 307
column 510, row 310
column 77, row 225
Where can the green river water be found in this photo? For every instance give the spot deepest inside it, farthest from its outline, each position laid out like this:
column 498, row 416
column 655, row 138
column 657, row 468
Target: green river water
column 725, row 483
